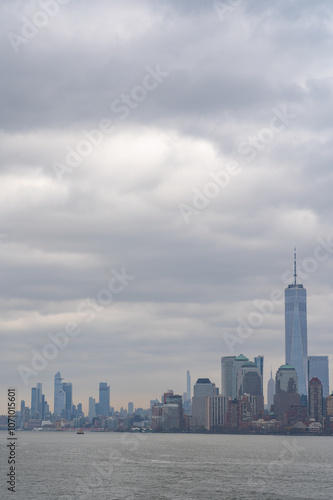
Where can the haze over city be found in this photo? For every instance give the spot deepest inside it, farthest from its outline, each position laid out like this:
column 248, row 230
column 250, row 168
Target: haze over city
column 178, row 220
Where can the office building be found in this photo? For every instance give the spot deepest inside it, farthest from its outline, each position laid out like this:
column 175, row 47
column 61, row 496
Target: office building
column 22, row 409
column 203, row 389
column 33, row 405
column 329, row 414
column 270, row 392
column 169, row 392
column 318, row 368
column 59, row 396
column 286, row 391
column 329, row 405
column 315, row 399
column 227, row 375
column 259, row 361
column 104, row 398
column 249, row 380
column 39, row 399
column 68, row 390
column 236, row 376
column 217, row 407
column 231, row 419
column 296, row 342
column 188, row 386
column 170, row 417
column 91, row 408
column 130, row 408
column 246, row 409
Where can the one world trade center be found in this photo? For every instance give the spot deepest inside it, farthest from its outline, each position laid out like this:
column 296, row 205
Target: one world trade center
column 296, row 339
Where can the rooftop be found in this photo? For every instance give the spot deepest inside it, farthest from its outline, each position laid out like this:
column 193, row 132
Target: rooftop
column 286, row 367
column 203, row 381
column 241, row 357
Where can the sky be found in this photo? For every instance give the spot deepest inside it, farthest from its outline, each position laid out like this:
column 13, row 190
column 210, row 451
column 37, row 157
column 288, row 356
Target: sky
column 160, row 160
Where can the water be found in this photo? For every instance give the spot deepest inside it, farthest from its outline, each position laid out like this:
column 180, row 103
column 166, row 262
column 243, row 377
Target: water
column 115, row 466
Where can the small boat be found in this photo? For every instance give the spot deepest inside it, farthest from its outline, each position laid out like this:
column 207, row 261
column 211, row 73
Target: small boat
column 80, row 431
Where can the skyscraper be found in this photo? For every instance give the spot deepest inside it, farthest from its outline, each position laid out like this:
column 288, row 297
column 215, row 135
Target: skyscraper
column 59, row 395
column 68, row 390
column 315, row 399
column 104, row 398
column 227, row 376
column 188, row 391
column 318, row 368
column 92, row 408
column 202, row 389
column 286, row 391
column 237, row 374
column 270, row 392
column 259, row 361
column 33, row 406
column 250, row 383
column 39, row 396
column 296, row 341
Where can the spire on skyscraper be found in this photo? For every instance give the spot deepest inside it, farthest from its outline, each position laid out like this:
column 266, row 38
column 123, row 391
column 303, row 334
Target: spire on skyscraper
column 295, row 272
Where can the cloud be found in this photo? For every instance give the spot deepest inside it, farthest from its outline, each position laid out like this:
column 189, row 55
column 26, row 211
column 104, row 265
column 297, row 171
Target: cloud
column 224, row 85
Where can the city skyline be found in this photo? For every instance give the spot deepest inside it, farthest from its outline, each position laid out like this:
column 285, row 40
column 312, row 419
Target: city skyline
column 316, row 367
column 159, row 233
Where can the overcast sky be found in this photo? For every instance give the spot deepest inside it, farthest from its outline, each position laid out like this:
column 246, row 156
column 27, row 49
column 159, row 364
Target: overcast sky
column 177, row 93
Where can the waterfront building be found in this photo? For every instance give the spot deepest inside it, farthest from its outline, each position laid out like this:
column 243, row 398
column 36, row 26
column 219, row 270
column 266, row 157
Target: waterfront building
column 329, row 405
column 318, row 368
column 315, row 399
column 156, row 419
column 104, row 399
column 231, row 420
column 295, row 414
column 170, row 417
column 203, row 389
column 329, row 414
column 296, row 342
column 246, row 410
column 217, row 407
column 286, row 391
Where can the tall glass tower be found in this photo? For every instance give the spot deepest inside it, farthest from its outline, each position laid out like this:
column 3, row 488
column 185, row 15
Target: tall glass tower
column 296, row 338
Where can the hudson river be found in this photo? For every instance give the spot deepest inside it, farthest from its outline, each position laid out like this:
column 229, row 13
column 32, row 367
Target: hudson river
column 114, row 466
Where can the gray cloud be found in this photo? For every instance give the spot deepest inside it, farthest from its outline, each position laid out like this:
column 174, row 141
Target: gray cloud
column 119, row 206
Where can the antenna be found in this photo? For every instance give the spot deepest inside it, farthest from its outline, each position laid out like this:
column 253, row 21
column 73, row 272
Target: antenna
column 295, row 272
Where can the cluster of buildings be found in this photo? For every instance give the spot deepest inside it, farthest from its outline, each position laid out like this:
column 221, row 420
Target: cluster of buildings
column 298, row 398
